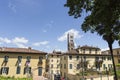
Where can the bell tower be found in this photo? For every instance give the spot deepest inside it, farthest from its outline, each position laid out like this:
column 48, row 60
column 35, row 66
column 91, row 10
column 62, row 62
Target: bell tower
column 70, row 38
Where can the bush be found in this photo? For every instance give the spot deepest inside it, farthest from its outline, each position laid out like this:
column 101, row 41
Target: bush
column 13, row 78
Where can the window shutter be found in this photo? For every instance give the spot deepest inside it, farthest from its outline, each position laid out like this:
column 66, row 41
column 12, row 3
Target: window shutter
column 29, row 70
column 1, row 70
column 24, row 70
column 7, row 69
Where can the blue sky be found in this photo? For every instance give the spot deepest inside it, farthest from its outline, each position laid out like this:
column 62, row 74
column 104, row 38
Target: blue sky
column 42, row 25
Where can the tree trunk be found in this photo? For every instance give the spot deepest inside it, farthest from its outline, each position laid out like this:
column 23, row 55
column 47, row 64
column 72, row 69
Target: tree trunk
column 111, row 52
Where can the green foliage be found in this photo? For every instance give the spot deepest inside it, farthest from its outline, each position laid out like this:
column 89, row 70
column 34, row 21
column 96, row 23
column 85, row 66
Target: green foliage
column 103, row 18
column 118, row 73
column 118, row 65
column 13, row 78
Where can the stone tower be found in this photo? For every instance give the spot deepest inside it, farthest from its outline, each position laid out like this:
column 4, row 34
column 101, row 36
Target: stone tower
column 70, row 38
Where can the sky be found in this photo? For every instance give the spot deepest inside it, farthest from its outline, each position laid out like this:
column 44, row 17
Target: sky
column 42, row 25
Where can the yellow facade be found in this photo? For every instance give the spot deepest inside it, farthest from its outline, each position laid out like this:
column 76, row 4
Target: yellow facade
column 116, row 53
column 54, row 64
column 72, row 62
column 23, row 67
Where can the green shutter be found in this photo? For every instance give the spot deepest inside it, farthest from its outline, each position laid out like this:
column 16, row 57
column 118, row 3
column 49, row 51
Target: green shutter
column 18, row 70
column 6, row 58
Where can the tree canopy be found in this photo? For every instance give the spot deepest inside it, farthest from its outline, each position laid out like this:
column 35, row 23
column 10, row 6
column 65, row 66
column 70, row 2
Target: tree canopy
column 104, row 18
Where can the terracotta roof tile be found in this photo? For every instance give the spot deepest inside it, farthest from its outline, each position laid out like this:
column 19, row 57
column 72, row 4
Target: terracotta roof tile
column 20, row 50
column 88, row 47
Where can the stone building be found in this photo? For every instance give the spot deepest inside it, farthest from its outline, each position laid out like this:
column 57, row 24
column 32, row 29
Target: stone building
column 22, row 62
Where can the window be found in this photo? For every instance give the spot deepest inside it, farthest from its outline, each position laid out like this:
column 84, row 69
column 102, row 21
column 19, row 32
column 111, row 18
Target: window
column 39, row 71
column 61, row 73
column 71, row 40
column 71, row 36
column 64, row 75
column 84, row 57
column 96, row 58
column 28, row 58
column 91, row 78
column 51, row 55
column 104, row 66
column 78, row 66
column 57, row 66
column 4, row 70
column 61, row 65
column 51, row 65
column 64, row 57
column 70, row 66
column 18, row 70
column 104, row 58
column 77, row 57
column 90, row 51
column 110, row 66
column 117, row 52
column 70, row 57
column 109, row 58
column 57, row 71
column 84, row 51
column 40, row 60
column 118, row 60
column 6, row 58
column 61, row 58
column 57, row 61
column 27, row 70
column 19, row 59
column 64, row 66
column 52, row 60
column 96, row 51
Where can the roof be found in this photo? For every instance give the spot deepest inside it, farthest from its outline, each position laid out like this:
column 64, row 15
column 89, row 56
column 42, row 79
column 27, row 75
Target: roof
column 74, row 51
column 20, row 50
column 55, row 53
column 108, row 51
column 88, row 47
column 86, row 54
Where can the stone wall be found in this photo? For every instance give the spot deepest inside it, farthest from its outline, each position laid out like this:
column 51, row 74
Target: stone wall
column 103, row 77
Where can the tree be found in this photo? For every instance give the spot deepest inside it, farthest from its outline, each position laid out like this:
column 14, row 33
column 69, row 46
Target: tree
column 103, row 18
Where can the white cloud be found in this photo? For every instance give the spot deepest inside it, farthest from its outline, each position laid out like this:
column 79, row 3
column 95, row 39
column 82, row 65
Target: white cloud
column 104, row 49
column 20, row 40
column 20, row 45
column 64, row 36
column 5, row 40
column 41, row 43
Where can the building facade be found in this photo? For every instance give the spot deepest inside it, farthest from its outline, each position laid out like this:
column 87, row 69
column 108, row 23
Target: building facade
column 22, row 62
column 53, row 63
column 83, row 58
column 116, row 53
column 78, row 61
